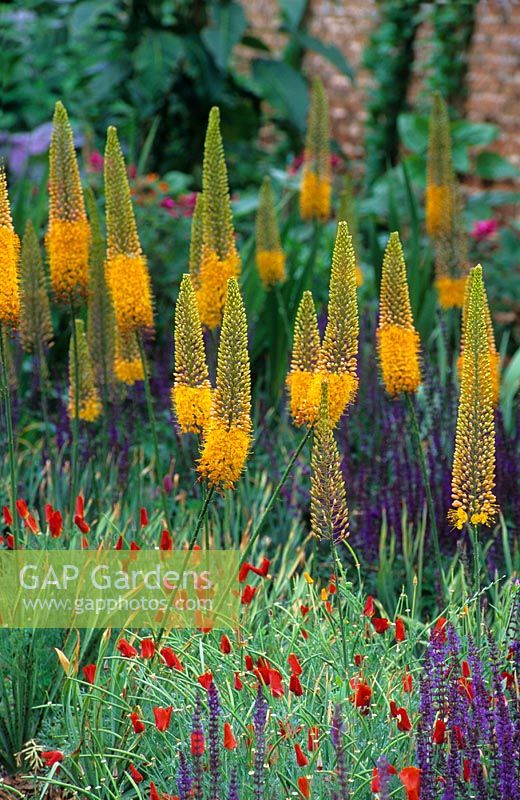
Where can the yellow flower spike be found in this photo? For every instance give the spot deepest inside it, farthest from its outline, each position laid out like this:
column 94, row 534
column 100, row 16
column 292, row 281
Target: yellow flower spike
column 227, row 439
column 347, row 211
column 397, row 339
column 9, row 257
column 329, row 512
column 191, row 394
column 127, row 271
column 100, row 319
column 494, row 356
column 308, row 578
column 89, row 402
column 304, row 401
column 35, row 321
column 127, row 365
column 440, row 175
column 473, row 473
column 270, row 258
column 196, row 240
column 338, row 360
column 68, row 236
column 315, row 190
column 220, row 260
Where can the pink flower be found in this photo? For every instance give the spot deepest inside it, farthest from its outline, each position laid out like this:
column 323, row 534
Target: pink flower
column 96, row 161
column 484, row 229
column 167, row 202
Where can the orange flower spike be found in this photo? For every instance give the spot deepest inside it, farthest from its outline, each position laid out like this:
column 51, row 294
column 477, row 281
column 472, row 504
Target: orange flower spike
column 10, row 304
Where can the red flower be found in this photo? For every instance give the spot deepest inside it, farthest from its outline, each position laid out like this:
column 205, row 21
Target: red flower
column 238, row 683
column 410, row 777
column 79, row 515
column 466, row 770
column 358, row 659
column 246, row 568
column 301, row 758
column 162, row 717
column 295, row 686
column 126, row 649
column 294, row 665
column 439, row 632
column 10, row 541
column 369, row 610
column 119, row 544
column 375, row 784
column 275, row 683
column 55, row 524
column 206, row 679
column 225, row 645
column 393, row 708
column 249, row 663
column 154, row 794
column 403, row 720
column 52, row 757
column 407, row 681
column 136, row 775
column 171, row 659
column 484, row 229
column 147, row 648
column 21, row 507
column 143, row 517
column 381, row 624
column 304, row 787
column 248, row 594
column 400, row 634
column 230, row 742
column 89, row 672
column 166, row 541
column 82, row 524
column 439, row 732
column 313, row 735
column 134, row 546
column 362, row 694
column 8, row 519
column 137, row 722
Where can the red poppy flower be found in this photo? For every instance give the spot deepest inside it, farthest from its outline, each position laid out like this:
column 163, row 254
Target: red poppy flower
column 171, row 659
column 197, row 743
column 248, row 594
column 136, row 775
column 301, row 758
column 52, row 757
column 154, row 794
column 466, row 671
column 313, row 735
column 275, row 683
column 459, row 736
column 8, row 519
column 362, row 694
column 225, row 645
column 246, row 568
column 238, row 683
column 143, row 517
column 466, row 770
column 400, row 633
column 134, row 546
column 304, row 787
column 166, row 541
column 509, row 678
column 375, row 785
column 381, row 624
column 81, row 524
column 439, row 632
column 126, row 649
column 206, row 679
column 55, row 524
column 439, row 732
column 304, row 610
column 89, row 672
column 410, row 777
column 295, row 686
column 10, row 541
column 84, row 543
column 393, row 709
column 403, row 720
column 369, row 609
column 137, row 723
column 162, row 718
column 230, row 742
column 466, row 689
column 294, row 665
column 147, row 648
column 407, row 681
column 304, row 633
column 21, row 507
column 249, row 663
column 119, row 544
column 358, row 659
column 332, row 585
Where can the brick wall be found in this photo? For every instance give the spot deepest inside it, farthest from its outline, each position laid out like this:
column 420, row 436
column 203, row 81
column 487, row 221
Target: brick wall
column 494, row 64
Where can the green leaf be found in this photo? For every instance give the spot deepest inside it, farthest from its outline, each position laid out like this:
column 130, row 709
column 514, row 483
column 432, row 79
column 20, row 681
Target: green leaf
column 292, row 12
column 328, row 51
column 228, row 25
column 284, row 88
column 85, row 16
column 413, row 131
column 473, row 134
column 156, row 57
column 492, row 166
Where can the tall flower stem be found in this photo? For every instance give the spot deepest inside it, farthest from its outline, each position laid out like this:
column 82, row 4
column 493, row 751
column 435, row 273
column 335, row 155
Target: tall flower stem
column 274, row 496
column 10, row 437
column 201, row 517
column 153, row 425
column 476, row 579
column 427, row 489
column 75, row 421
column 341, row 611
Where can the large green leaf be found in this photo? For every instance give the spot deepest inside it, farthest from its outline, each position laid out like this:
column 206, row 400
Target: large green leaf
column 292, row 12
column 156, row 57
column 413, row 130
column 492, row 166
column 284, row 88
column 473, row 134
column 227, row 26
column 328, row 51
